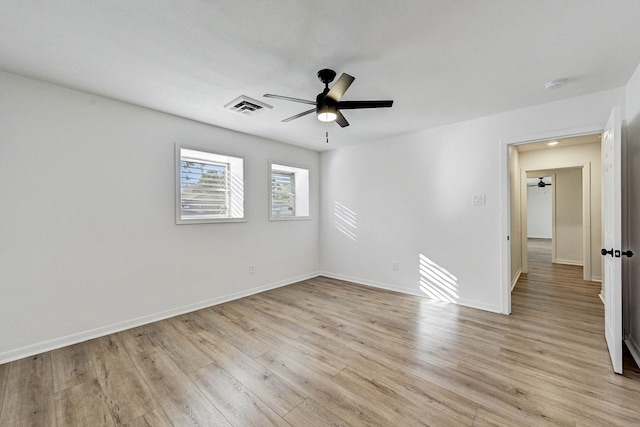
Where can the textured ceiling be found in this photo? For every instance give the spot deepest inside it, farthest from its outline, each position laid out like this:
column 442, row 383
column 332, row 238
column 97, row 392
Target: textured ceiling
column 440, row 61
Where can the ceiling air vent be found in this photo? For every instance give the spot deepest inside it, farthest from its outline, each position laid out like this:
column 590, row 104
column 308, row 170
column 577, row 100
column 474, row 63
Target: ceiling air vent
column 247, row 106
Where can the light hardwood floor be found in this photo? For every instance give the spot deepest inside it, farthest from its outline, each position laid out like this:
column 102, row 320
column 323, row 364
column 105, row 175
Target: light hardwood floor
column 325, row 352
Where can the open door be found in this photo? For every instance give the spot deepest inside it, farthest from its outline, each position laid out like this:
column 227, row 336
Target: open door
column 611, row 219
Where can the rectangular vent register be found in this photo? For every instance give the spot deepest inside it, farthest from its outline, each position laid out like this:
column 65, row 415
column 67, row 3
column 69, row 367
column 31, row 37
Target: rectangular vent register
column 247, row 106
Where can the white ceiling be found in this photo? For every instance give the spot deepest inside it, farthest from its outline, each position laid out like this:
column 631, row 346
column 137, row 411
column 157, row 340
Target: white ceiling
column 440, row 61
column 561, row 142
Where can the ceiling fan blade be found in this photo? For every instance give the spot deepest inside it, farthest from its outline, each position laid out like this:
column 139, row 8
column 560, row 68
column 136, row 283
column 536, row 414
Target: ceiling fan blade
column 304, row 113
column 340, row 87
column 288, row 98
column 352, row 105
column 341, row 120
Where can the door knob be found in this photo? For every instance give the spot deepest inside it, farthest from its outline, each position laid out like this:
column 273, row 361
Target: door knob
column 618, row 253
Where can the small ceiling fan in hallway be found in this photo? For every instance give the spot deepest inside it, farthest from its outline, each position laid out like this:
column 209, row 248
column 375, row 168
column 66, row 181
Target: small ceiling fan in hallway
column 540, row 184
column 543, row 184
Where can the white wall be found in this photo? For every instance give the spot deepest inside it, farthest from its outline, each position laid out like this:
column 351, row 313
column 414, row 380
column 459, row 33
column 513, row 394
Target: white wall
column 410, row 201
column 631, row 239
column 88, row 240
column 539, row 212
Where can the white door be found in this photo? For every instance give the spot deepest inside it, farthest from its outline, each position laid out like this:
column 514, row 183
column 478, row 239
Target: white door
column 611, row 218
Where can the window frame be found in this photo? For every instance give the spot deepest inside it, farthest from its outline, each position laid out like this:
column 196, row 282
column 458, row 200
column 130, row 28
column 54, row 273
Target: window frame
column 236, row 190
column 302, row 196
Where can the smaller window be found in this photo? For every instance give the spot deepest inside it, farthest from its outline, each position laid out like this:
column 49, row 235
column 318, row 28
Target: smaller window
column 210, row 187
column 289, row 192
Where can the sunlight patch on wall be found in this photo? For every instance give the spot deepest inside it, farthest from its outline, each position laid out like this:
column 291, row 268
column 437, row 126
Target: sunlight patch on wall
column 436, row 282
column 236, row 201
column 345, row 220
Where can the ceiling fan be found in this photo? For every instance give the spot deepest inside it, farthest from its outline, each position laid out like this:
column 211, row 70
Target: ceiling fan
column 540, row 183
column 328, row 103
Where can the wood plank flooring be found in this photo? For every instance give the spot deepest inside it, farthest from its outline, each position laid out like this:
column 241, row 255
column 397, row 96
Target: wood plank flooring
column 325, row 352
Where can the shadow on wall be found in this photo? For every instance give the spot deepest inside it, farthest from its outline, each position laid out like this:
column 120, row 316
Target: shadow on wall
column 345, row 221
column 436, row 282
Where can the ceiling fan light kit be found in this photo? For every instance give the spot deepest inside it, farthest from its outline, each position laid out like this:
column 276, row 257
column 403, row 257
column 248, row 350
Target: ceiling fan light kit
column 327, row 113
column 328, row 102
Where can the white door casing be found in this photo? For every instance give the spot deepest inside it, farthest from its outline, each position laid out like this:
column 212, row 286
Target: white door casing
column 505, row 199
column 612, row 232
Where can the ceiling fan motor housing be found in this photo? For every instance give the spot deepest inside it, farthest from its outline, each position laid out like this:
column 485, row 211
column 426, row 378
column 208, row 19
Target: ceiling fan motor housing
column 326, row 76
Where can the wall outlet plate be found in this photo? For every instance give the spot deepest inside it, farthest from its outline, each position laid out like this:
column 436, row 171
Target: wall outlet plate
column 479, row 200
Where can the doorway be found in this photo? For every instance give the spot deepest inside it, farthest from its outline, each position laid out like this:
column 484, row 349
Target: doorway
column 541, row 217
column 554, row 207
column 580, row 150
column 609, row 155
column 540, row 206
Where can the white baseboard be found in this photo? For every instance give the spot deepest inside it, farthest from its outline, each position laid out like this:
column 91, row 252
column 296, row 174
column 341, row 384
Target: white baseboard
column 569, row 262
column 410, row 291
column 515, row 280
column 41, row 347
column 634, row 348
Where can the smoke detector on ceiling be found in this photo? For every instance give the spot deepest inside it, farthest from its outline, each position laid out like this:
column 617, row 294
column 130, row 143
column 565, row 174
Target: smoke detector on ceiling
column 247, row 106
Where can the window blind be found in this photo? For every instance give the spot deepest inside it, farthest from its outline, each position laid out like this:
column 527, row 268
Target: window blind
column 204, row 189
column 283, row 195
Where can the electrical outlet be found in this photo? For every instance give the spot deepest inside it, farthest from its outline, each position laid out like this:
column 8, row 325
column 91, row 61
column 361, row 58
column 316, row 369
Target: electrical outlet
column 394, row 265
column 252, row 269
column 479, row 200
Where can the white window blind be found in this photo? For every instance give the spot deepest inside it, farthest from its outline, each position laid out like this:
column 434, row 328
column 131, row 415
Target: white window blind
column 289, row 192
column 204, row 190
column 283, row 197
column 210, row 187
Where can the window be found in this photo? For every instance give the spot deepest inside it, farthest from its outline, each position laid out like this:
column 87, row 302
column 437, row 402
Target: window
column 289, row 192
column 210, row 187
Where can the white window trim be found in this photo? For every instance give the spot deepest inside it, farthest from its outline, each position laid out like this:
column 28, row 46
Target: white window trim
column 303, row 190
column 238, row 192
